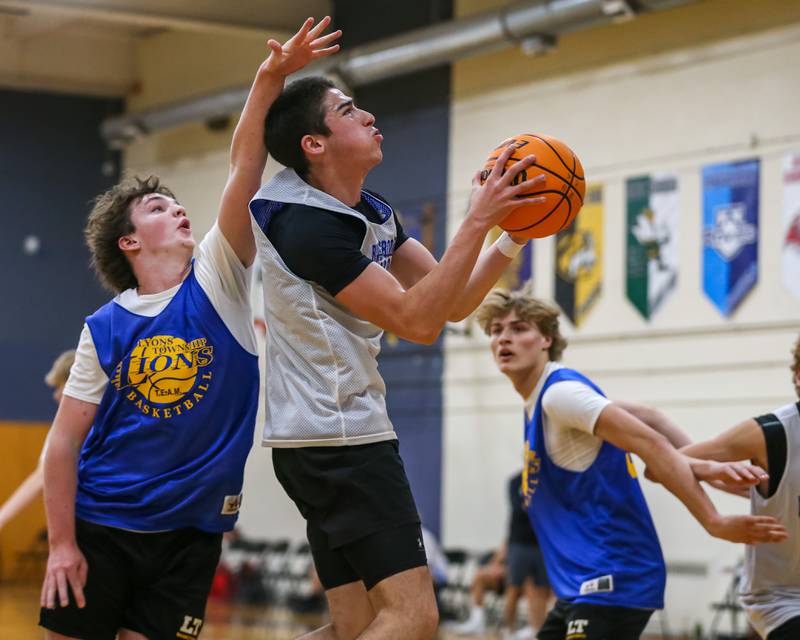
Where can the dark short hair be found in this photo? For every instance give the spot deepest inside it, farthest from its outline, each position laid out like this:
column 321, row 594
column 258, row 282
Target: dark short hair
column 298, row 111
column 109, row 220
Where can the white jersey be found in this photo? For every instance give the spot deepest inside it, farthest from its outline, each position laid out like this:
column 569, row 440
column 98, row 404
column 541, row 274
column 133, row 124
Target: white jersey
column 323, row 387
column 770, row 590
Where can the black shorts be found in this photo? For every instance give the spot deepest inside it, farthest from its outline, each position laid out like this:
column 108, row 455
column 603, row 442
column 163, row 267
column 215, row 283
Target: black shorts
column 582, row 621
column 362, row 523
column 789, row 630
column 525, row 561
column 153, row 583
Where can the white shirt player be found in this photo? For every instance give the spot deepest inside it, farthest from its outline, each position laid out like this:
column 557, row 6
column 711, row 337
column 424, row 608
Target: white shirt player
column 570, row 410
column 224, row 280
column 770, row 590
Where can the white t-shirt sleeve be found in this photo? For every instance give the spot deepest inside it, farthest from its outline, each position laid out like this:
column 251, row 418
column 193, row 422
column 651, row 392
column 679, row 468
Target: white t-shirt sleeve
column 87, row 381
column 227, row 282
column 573, row 405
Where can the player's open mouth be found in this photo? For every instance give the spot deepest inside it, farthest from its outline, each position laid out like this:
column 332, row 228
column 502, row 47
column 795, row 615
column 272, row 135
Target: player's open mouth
column 185, row 224
column 378, row 135
column 505, row 354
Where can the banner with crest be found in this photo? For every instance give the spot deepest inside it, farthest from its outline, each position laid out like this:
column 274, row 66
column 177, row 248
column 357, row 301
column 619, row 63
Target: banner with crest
column 791, row 223
column 579, row 259
column 651, row 261
column 730, row 232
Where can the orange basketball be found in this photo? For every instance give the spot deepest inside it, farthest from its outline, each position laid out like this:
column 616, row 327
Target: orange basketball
column 564, row 186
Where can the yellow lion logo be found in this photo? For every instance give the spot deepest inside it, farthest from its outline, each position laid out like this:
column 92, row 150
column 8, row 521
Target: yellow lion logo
column 163, row 368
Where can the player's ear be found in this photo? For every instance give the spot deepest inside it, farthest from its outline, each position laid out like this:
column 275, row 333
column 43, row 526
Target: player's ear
column 312, row 145
column 128, row 243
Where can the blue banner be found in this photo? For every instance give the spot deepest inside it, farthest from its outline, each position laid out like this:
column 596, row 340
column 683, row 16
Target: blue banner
column 730, row 232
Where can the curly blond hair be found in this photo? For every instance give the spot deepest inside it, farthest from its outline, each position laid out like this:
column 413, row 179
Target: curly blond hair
column 109, row 220
column 499, row 303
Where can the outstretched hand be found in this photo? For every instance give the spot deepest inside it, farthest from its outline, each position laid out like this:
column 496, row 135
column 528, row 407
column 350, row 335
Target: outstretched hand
column 303, row 47
column 748, row 529
column 730, row 474
column 731, row 477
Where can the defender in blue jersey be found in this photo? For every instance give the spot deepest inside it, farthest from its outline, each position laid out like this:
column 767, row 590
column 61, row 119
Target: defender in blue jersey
column 599, row 543
column 143, row 471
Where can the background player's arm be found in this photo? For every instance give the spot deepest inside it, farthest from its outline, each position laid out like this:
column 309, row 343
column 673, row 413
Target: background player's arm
column 745, row 441
column 248, row 153
column 674, row 471
column 22, row 496
column 420, row 312
column 412, row 262
column 734, row 479
column 657, row 421
column 66, row 565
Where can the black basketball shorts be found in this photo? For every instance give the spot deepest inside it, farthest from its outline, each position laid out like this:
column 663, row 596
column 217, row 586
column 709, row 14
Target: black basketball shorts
column 362, row 523
column 583, row 621
column 153, row 583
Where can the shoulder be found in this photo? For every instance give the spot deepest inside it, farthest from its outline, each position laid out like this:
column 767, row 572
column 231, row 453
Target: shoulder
column 787, row 411
column 103, row 314
column 298, row 222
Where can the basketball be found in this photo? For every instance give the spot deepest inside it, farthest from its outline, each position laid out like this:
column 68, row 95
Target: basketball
column 563, row 189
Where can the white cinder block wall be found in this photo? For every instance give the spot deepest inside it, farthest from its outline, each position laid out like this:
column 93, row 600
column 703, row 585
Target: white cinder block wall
column 675, row 111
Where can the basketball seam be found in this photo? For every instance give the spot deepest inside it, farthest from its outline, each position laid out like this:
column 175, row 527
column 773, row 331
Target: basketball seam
column 567, row 220
column 559, row 176
column 558, row 155
column 549, row 213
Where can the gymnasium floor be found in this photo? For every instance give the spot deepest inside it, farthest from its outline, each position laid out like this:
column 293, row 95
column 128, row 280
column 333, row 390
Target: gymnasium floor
column 19, row 612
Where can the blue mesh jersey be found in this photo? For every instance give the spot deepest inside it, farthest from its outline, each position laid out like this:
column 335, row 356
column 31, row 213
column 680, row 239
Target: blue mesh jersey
column 597, row 537
column 174, row 427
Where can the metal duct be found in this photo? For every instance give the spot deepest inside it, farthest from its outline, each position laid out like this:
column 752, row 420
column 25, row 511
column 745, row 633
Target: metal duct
column 533, row 24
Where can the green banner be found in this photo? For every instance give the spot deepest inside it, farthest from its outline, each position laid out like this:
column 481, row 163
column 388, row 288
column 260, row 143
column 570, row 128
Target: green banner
column 652, row 240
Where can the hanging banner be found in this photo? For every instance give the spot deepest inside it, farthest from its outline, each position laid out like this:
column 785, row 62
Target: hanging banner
column 791, row 223
column 579, row 259
column 652, row 245
column 520, row 271
column 730, row 232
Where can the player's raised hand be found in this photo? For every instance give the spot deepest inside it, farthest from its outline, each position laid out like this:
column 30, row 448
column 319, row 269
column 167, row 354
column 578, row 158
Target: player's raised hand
column 747, row 529
column 498, row 196
column 304, row 46
column 66, row 569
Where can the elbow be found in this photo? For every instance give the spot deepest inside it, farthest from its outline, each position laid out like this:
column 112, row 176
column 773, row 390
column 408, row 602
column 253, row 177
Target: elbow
column 421, row 331
column 422, row 335
column 429, row 337
column 458, row 315
column 656, row 448
column 417, row 326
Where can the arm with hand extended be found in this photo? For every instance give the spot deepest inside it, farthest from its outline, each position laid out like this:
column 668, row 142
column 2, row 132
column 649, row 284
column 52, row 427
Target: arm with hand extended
column 674, row 470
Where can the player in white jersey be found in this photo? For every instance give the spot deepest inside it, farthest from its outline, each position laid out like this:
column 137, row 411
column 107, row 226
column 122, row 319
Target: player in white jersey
column 338, row 270
column 770, row 589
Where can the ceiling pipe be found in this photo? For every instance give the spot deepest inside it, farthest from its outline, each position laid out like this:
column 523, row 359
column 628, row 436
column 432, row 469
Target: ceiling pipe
column 534, row 25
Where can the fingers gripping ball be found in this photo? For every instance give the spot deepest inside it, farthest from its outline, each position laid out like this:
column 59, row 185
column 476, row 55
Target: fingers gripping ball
column 563, row 189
